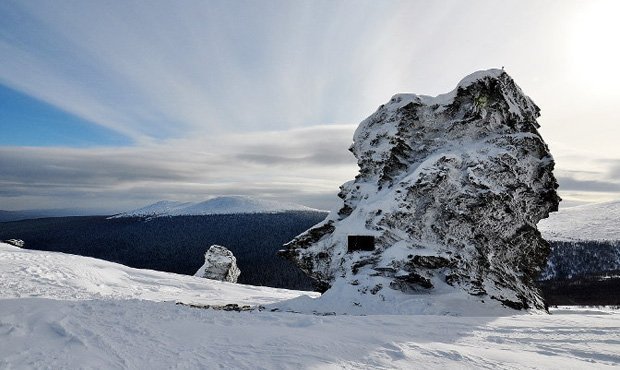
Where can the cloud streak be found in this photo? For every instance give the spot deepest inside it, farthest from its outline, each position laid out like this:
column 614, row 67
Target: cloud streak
column 305, row 165
column 246, row 97
column 288, row 165
column 150, row 70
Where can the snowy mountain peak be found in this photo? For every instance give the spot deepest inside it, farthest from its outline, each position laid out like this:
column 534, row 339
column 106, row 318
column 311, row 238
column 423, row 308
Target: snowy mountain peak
column 233, row 204
column 448, row 195
column 163, row 207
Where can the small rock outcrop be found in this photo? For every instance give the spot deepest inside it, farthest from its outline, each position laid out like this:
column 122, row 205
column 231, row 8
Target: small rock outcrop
column 448, row 195
column 220, row 264
column 14, row 242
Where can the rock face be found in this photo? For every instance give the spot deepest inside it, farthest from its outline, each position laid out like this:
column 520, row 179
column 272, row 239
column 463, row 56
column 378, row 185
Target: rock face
column 451, row 188
column 220, row 264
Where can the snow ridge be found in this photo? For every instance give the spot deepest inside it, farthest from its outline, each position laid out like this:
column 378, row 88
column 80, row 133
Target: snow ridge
column 234, row 204
column 590, row 222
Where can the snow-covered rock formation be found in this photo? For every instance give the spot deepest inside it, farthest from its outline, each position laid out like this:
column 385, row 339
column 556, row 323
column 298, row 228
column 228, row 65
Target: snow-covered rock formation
column 451, row 189
column 220, row 264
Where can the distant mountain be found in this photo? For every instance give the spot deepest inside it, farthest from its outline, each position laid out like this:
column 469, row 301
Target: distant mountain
column 235, row 204
column 591, row 222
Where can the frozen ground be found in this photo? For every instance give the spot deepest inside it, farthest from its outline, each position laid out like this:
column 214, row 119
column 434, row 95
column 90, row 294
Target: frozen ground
column 96, row 314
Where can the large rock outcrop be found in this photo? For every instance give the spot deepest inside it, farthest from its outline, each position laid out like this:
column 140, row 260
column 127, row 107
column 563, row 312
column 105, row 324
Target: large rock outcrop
column 451, row 188
column 220, row 264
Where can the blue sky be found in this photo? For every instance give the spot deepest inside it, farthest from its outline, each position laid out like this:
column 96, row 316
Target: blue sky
column 27, row 121
column 115, row 104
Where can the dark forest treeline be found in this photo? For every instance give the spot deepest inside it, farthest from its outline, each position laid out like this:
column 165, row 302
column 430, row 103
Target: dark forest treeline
column 570, row 260
column 593, row 290
column 177, row 244
column 577, row 273
column 582, row 273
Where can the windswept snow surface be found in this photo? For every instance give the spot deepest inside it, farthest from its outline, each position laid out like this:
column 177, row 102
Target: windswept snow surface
column 597, row 222
column 31, row 273
column 86, row 321
column 233, row 204
column 43, row 333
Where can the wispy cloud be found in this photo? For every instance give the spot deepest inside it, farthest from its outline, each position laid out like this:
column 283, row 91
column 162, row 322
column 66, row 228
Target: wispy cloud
column 305, row 165
column 156, row 70
column 585, row 176
column 238, row 97
column 574, row 185
column 182, row 169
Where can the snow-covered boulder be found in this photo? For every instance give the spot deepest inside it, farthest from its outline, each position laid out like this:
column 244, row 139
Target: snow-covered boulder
column 220, row 264
column 448, row 195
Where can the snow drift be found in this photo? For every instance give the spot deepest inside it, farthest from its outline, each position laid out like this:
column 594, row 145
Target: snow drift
column 450, row 188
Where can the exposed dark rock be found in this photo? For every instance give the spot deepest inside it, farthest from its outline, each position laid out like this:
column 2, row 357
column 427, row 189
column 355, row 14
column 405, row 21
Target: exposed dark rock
column 411, row 281
column 224, row 307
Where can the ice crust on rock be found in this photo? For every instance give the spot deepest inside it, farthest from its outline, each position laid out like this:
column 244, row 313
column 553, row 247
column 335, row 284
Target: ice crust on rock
column 451, row 187
column 220, row 264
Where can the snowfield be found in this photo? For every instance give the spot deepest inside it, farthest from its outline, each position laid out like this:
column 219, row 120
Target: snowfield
column 44, row 333
column 223, row 205
column 62, row 311
column 31, row 273
column 597, row 221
